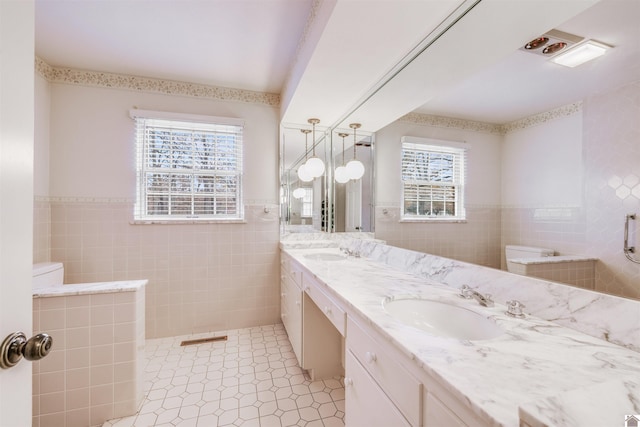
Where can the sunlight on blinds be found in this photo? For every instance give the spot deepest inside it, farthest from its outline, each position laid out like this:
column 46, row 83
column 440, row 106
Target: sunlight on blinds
column 188, row 170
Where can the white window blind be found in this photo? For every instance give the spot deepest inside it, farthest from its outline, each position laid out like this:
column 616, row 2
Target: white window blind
column 187, row 170
column 433, row 178
column 307, row 202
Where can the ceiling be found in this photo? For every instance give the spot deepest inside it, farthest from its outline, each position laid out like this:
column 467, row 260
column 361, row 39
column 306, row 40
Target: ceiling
column 243, row 44
column 523, row 84
column 327, row 68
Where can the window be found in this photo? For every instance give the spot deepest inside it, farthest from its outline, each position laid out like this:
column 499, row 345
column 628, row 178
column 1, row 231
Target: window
column 433, row 176
column 188, row 167
column 307, row 202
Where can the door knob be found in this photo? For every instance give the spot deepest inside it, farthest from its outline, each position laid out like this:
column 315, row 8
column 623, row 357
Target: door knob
column 16, row 346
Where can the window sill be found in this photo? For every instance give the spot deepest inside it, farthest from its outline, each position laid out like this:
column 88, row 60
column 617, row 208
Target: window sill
column 434, row 220
column 187, row 221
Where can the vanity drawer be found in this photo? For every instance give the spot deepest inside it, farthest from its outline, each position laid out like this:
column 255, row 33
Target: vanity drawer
column 334, row 313
column 401, row 387
column 365, row 403
column 291, row 269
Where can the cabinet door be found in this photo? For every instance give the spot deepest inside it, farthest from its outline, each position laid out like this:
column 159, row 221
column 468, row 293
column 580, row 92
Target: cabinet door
column 385, row 366
column 294, row 310
column 437, row 414
column 291, row 309
column 365, row 402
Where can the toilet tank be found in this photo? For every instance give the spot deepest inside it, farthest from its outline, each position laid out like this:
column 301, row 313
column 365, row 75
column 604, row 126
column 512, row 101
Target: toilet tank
column 513, row 251
column 47, row 274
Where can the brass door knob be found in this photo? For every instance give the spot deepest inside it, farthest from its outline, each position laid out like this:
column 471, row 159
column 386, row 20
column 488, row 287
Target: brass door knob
column 16, row 346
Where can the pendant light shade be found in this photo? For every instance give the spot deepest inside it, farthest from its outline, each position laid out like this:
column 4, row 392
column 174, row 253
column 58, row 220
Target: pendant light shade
column 314, row 166
column 298, row 193
column 355, row 168
column 341, row 174
column 303, row 173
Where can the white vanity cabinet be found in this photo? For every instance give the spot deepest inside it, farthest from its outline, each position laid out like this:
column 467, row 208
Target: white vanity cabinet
column 382, row 382
column 366, row 403
column 291, row 302
column 383, row 385
column 314, row 322
column 438, row 414
column 373, row 372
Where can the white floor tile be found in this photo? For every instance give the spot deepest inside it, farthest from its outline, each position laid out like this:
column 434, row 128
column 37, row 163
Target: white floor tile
column 250, row 380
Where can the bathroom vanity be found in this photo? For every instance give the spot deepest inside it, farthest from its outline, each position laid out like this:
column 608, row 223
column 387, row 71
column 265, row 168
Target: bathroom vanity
column 397, row 373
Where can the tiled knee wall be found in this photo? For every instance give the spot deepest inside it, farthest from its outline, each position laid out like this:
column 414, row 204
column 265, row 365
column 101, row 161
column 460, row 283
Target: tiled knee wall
column 576, row 273
column 95, row 369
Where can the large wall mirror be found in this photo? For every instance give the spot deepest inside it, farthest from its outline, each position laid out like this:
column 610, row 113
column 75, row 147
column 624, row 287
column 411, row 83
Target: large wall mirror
column 331, row 202
column 551, row 161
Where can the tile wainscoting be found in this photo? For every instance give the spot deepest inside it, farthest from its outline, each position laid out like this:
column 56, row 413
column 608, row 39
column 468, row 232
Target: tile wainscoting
column 477, row 240
column 202, row 277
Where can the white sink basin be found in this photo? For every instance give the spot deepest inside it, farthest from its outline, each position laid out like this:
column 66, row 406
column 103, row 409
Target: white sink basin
column 321, row 256
column 442, row 319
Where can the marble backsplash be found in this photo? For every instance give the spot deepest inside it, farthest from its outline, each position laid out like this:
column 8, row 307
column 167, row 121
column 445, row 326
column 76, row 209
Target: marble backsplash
column 607, row 317
column 323, row 240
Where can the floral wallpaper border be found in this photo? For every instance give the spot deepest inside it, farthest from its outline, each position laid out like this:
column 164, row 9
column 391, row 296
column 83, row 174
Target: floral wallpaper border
column 147, row 84
column 169, row 87
column 450, row 122
column 536, row 119
column 500, row 129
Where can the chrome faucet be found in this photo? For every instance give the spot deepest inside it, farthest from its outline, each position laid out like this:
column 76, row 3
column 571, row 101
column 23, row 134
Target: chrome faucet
column 468, row 293
column 349, row 252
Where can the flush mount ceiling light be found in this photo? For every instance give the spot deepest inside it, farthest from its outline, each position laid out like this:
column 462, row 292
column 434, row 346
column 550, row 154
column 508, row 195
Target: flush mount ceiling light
column 314, row 166
column 303, row 173
column 355, row 168
column 341, row 173
column 581, row 53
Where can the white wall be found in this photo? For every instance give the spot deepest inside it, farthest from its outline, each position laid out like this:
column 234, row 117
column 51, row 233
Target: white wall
column 202, row 277
column 41, row 141
column 92, row 145
column 476, row 240
column 569, row 182
column 483, row 175
column 542, row 164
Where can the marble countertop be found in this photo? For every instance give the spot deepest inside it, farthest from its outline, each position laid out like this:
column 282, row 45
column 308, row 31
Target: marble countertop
column 604, row 404
column 89, row 288
column 552, row 259
column 533, row 360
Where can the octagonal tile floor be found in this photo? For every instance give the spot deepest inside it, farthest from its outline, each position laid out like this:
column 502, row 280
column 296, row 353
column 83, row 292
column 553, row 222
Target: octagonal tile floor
column 252, row 379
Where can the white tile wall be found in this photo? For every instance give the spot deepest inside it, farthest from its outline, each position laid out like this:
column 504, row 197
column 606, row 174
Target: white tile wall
column 476, row 241
column 201, row 277
column 612, row 185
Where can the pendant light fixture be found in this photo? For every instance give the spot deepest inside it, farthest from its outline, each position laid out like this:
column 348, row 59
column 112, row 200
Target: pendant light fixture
column 303, row 173
column 298, row 193
column 341, row 173
column 314, row 166
column 355, row 168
